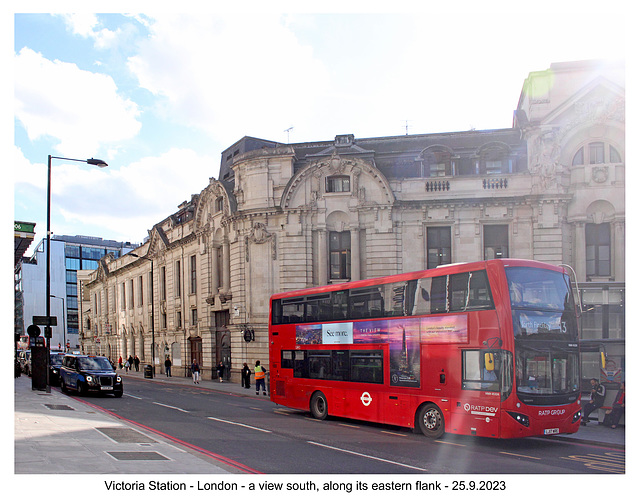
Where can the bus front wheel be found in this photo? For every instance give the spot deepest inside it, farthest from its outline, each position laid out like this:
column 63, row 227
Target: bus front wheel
column 318, row 406
column 431, row 421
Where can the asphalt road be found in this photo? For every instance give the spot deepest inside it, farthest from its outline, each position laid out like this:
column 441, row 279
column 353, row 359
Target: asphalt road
column 273, row 439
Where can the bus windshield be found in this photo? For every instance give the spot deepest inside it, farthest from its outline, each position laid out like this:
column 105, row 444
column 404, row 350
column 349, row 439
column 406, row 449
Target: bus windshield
column 546, row 371
column 542, row 304
column 546, row 334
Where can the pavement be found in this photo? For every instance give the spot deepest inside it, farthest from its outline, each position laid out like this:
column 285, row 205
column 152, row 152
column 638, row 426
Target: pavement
column 58, row 433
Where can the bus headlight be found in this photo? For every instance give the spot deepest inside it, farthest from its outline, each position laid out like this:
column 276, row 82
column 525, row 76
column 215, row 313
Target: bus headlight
column 577, row 416
column 520, row 418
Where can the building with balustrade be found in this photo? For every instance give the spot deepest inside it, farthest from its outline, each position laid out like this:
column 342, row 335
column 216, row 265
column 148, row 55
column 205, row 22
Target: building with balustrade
column 281, row 217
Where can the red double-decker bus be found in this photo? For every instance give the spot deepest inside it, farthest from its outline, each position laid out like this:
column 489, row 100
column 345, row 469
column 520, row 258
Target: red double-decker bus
column 487, row 348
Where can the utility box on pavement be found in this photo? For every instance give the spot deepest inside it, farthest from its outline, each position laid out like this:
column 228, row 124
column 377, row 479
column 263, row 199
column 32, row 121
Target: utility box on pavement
column 38, row 365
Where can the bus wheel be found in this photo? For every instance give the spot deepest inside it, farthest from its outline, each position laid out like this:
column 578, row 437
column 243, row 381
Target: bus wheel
column 318, row 406
column 431, row 421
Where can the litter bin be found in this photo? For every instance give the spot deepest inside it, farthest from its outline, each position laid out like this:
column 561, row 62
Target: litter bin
column 148, row 372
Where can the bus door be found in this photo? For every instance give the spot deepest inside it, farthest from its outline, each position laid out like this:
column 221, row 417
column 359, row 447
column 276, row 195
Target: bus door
column 476, row 410
column 438, row 377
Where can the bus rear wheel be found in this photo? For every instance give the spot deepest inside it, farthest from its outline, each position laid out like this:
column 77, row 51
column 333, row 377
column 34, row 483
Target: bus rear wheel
column 318, row 406
column 430, row 421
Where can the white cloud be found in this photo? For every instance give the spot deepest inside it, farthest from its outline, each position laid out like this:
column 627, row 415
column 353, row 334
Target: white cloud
column 88, row 25
column 232, row 76
column 80, row 109
column 123, row 201
column 81, row 23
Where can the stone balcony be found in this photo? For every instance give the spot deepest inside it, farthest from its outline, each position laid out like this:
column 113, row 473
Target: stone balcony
column 463, row 187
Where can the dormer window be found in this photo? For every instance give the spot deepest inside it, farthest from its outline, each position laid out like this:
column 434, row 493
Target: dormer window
column 338, row 184
column 437, row 163
column 344, row 140
column 494, row 161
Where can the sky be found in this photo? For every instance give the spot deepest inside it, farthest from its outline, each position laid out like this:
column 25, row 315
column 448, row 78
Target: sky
column 159, row 95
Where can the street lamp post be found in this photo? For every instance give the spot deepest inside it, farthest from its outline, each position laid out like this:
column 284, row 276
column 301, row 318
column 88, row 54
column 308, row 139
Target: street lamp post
column 64, row 324
column 153, row 320
column 47, row 328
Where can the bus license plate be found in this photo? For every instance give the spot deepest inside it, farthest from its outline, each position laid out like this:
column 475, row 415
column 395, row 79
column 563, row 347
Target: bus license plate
column 552, row 431
column 107, row 388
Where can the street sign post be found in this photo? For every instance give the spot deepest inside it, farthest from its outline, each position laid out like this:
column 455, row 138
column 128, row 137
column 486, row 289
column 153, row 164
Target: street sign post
column 44, row 320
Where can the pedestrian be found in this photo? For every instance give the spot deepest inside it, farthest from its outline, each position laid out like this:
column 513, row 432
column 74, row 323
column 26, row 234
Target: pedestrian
column 120, row 361
column 127, row 365
column 130, row 360
column 136, row 362
column 260, row 375
column 220, row 371
column 167, row 366
column 596, row 399
column 613, row 415
column 246, row 376
column 195, row 372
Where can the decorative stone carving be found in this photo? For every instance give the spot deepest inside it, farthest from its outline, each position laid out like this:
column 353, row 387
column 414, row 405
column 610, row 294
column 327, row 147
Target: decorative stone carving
column 600, row 174
column 260, row 235
column 543, row 161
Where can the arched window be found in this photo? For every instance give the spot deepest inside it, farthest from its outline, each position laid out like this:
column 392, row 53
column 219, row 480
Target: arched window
column 494, row 160
column 597, row 152
column 437, row 163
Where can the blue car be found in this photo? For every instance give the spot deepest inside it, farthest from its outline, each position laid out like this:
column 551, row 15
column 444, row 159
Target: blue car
column 88, row 374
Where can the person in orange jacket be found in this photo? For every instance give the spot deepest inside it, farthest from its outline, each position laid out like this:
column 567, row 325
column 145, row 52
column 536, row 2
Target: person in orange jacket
column 260, row 374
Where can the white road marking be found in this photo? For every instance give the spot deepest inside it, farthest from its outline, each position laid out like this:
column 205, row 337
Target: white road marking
column 366, row 456
column 171, row 407
column 239, row 424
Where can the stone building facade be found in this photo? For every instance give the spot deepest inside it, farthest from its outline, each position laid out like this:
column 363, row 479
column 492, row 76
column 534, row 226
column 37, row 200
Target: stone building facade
column 289, row 216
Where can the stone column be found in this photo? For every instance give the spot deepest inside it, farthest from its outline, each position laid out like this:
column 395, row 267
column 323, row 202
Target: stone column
column 580, row 252
column 215, row 275
column 618, row 251
column 226, row 267
column 323, row 274
column 355, row 254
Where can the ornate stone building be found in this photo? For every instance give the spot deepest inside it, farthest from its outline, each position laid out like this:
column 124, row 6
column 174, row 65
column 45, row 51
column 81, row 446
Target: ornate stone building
column 290, row 216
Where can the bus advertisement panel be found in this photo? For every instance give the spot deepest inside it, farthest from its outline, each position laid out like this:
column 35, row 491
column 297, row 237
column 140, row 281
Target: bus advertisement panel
column 403, row 336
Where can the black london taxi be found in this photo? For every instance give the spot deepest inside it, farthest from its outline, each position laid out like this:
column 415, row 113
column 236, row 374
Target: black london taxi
column 55, row 362
column 86, row 373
